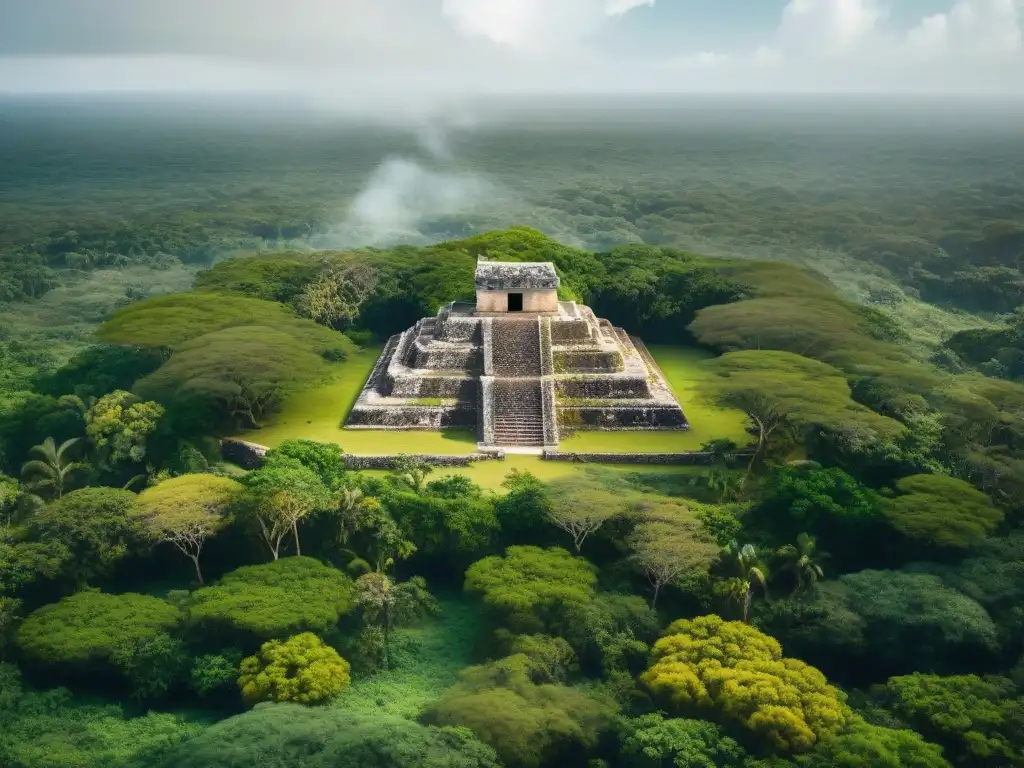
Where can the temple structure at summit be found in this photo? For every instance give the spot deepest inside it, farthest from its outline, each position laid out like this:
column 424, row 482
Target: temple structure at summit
column 519, row 366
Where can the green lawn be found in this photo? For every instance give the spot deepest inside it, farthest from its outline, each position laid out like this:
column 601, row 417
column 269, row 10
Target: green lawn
column 682, row 366
column 316, row 413
column 489, row 475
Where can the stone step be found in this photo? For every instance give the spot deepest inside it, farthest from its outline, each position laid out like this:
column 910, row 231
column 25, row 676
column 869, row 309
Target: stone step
column 518, row 410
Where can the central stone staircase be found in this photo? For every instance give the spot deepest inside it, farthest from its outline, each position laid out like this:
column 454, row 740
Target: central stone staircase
column 518, row 413
column 518, row 404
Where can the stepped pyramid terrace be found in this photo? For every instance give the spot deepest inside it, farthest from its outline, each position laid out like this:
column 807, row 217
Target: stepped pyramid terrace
column 518, row 366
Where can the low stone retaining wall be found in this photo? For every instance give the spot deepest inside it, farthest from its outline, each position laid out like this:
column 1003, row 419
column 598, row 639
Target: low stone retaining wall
column 244, row 454
column 251, row 456
column 694, row 459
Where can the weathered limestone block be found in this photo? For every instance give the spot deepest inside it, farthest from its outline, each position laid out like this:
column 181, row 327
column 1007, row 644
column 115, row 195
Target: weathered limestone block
column 448, row 387
column 570, row 331
column 587, row 361
column 612, row 418
column 603, row 387
column 411, row 417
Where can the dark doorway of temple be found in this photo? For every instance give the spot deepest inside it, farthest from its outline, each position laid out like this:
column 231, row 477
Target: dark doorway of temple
column 515, row 302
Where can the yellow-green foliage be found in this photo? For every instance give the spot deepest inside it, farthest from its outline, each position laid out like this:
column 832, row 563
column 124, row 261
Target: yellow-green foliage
column 799, row 390
column 301, row 669
column 730, row 671
column 275, row 600
column 531, row 587
column 939, row 511
column 90, row 626
column 173, row 320
column 187, row 498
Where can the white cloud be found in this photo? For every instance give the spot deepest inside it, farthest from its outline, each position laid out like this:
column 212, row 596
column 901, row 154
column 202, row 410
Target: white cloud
column 619, row 7
column 852, row 45
column 829, row 27
column 534, row 25
column 404, row 56
column 972, row 27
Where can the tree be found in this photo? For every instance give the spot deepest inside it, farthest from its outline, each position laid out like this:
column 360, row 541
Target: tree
column 272, row 276
column 455, row 527
column 841, row 513
column 748, row 569
column 937, row 512
column 280, row 495
column 152, row 664
column 527, row 724
column 118, row 424
column 522, row 511
column 186, row 511
column 612, row 635
column 870, row 746
column 349, row 512
column 93, row 527
column 214, row 673
column 733, row 673
column 90, row 629
column 867, row 626
column 171, row 322
column 300, row 669
column 55, row 729
column 653, row 741
column 581, row 507
column 10, row 492
column 322, row 737
column 800, row 559
column 326, row 459
column 336, row 296
column 782, row 390
column 54, row 467
column 531, row 588
column 411, row 471
column 668, row 543
column 241, row 373
column 271, row 601
column 978, row 720
column 10, row 615
column 383, row 604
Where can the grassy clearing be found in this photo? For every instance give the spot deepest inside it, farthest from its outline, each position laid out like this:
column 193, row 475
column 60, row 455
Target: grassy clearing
column 683, row 369
column 317, row 413
column 489, row 475
column 425, row 661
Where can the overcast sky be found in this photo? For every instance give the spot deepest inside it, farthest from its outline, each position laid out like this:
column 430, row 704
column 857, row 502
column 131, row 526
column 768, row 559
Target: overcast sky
column 338, row 49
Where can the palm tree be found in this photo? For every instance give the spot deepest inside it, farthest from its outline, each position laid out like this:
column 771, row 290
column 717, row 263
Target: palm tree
column 350, row 504
column 800, row 559
column 749, row 569
column 727, row 484
column 54, row 467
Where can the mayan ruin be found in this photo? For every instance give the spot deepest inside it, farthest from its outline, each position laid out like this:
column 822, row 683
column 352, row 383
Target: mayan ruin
column 519, row 366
